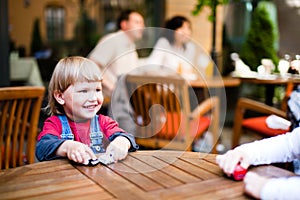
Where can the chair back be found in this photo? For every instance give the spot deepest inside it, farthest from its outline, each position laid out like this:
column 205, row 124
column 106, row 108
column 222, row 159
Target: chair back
column 19, row 115
column 161, row 107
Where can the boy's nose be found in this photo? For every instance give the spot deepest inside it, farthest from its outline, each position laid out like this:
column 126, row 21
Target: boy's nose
column 93, row 96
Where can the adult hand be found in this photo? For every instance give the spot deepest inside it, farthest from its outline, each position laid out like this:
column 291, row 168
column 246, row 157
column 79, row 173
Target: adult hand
column 254, row 184
column 230, row 159
column 76, row 151
column 118, row 148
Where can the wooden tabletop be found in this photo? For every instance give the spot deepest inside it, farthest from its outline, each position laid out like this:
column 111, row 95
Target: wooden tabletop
column 215, row 82
column 142, row 175
column 274, row 81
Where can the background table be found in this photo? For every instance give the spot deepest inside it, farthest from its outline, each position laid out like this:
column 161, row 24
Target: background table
column 215, row 82
column 218, row 86
column 143, row 175
column 270, row 85
column 27, row 70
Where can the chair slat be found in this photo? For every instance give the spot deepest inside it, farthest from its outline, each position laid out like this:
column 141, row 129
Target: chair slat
column 9, row 132
column 15, row 136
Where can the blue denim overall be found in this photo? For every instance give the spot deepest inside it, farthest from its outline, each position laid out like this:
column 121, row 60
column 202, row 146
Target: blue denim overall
column 96, row 134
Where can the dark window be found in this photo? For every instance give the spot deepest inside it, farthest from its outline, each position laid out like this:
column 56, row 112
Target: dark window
column 55, row 22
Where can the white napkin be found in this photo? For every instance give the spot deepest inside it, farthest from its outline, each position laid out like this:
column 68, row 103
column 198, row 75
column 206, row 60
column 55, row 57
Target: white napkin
column 276, row 122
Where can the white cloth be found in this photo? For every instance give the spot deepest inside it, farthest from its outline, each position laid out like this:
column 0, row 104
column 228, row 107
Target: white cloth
column 282, row 148
column 116, row 54
column 25, row 69
column 294, row 104
column 276, row 122
column 166, row 55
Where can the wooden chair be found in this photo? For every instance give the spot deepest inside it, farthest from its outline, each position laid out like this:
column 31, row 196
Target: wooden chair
column 19, row 115
column 258, row 124
column 163, row 116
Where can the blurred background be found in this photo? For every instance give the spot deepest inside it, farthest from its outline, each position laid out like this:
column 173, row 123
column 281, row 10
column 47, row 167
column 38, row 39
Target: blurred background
column 49, row 30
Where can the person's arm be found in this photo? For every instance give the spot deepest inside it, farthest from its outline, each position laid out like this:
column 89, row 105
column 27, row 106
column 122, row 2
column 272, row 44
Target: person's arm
column 76, row 151
column 120, row 144
column 282, row 148
column 282, row 188
column 51, row 147
column 272, row 188
column 133, row 145
column 46, row 147
column 120, row 141
column 49, row 139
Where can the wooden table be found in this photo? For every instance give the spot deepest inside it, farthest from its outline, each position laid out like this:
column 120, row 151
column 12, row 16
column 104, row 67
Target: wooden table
column 215, row 82
column 270, row 85
column 143, row 175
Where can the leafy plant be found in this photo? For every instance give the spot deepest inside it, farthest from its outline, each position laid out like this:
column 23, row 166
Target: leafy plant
column 260, row 40
column 212, row 4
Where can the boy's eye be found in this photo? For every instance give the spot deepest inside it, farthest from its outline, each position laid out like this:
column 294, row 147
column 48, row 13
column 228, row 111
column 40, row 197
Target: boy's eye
column 99, row 90
column 82, row 91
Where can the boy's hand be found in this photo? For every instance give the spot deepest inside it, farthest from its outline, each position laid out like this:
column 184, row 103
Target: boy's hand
column 118, row 148
column 76, row 151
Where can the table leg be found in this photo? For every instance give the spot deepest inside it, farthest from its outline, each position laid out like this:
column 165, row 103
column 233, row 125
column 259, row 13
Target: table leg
column 270, row 90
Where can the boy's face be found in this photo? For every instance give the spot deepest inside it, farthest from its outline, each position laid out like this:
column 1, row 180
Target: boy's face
column 82, row 100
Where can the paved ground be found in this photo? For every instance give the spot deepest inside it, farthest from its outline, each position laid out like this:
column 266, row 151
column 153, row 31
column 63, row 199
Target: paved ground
column 226, row 137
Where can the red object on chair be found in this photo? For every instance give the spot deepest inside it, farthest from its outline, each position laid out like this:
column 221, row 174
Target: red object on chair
column 257, row 124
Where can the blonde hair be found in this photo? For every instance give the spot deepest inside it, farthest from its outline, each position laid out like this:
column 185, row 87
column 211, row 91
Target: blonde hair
column 69, row 71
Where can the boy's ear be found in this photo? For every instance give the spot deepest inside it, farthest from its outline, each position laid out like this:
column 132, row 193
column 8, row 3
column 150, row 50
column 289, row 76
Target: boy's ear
column 59, row 97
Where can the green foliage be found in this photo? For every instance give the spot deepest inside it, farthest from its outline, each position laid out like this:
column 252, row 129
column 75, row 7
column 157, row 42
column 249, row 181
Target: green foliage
column 212, row 4
column 260, row 40
column 36, row 39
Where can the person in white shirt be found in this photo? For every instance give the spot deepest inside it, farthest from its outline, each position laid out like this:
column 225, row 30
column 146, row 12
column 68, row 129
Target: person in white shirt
column 174, row 48
column 278, row 149
column 116, row 53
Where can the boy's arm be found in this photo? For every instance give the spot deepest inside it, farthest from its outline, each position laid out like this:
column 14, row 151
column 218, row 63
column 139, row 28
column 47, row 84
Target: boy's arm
column 112, row 130
column 47, row 146
column 133, row 145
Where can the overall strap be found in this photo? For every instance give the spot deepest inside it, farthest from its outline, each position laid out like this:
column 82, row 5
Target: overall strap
column 96, row 136
column 66, row 130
